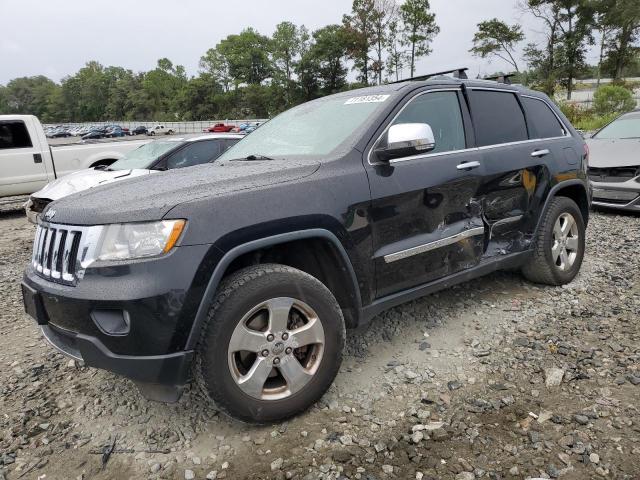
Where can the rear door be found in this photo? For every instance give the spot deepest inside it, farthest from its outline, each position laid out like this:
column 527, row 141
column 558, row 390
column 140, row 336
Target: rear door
column 514, row 168
column 22, row 169
column 426, row 218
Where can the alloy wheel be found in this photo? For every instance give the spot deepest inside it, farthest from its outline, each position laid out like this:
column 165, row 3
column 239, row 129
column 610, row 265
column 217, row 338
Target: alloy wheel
column 276, row 348
column 566, row 242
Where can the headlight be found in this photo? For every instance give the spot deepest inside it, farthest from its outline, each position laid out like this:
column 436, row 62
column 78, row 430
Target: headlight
column 125, row 241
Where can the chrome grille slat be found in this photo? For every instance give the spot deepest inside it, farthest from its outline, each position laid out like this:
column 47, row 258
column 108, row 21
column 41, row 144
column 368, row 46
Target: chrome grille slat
column 46, row 260
column 56, row 250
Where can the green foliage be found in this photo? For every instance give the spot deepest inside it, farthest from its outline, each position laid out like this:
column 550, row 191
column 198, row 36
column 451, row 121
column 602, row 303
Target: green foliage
column 360, row 36
column 252, row 75
column 609, row 101
column 613, row 99
column 495, row 38
column 420, row 28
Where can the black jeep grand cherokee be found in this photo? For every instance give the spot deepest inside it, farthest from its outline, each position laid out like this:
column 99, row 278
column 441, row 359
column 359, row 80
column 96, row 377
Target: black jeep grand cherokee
column 243, row 274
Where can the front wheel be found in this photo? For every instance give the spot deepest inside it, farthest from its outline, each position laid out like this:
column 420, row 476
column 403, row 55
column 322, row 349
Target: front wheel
column 272, row 344
column 559, row 245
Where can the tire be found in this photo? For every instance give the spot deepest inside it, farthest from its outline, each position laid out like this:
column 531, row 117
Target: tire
column 241, row 300
column 170, row 132
column 547, row 266
column 152, row 133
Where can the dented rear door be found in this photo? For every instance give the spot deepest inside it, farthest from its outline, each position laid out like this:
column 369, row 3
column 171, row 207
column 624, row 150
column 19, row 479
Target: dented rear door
column 426, row 216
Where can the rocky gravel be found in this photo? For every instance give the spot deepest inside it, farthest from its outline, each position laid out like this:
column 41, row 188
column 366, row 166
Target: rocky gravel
column 496, row 378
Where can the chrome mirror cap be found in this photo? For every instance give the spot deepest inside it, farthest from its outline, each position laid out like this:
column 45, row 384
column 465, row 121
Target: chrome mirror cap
column 407, row 139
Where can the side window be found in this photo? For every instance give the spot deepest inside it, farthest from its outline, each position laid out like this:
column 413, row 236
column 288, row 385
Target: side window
column 14, row 134
column 497, row 117
column 194, row 154
column 544, row 122
column 441, row 110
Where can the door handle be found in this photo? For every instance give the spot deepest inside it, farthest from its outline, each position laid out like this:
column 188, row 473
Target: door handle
column 468, row 165
column 37, row 158
column 540, row 153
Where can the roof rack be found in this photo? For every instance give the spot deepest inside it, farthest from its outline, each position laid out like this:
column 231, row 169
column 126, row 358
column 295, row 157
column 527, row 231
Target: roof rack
column 457, row 73
column 502, row 78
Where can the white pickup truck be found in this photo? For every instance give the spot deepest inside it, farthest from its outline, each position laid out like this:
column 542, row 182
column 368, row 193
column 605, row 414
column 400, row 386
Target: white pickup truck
column 28, row 162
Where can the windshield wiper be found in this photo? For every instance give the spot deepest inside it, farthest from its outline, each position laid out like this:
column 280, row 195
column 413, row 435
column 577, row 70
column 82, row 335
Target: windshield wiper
column 628, row 138
column 254, row 157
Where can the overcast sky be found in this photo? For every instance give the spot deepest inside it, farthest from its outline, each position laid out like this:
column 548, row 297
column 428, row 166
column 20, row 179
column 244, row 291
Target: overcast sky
column 57, row 37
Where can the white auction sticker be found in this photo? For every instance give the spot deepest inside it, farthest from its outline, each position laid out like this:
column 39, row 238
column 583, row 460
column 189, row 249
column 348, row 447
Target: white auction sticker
column 367, row 99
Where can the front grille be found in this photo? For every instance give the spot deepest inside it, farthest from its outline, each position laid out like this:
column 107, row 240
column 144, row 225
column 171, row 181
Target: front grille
column 55, row 253
column 613, row 201
column 613, row 174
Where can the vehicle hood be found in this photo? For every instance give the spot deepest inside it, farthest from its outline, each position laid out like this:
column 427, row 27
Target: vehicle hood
column 614, row 152
column 150, row 197
column 83, row 180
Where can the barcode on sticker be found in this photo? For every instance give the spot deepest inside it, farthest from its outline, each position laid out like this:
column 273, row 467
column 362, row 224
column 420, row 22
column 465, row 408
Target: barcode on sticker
column 367, row 99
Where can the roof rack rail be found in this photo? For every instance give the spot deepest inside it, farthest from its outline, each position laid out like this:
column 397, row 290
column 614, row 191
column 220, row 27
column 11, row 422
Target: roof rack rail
column 457, row 73
column 502, row 78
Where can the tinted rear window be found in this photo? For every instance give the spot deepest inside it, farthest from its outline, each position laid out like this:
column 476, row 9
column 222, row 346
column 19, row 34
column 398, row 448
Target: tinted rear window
column 14, row 134
column 543, row 121
column 497, row 117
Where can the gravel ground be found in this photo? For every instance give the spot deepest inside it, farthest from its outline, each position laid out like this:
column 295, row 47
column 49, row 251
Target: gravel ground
column 496, row 378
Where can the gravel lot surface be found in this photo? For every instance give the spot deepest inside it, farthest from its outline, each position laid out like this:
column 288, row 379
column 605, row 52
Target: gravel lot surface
column 496, row 378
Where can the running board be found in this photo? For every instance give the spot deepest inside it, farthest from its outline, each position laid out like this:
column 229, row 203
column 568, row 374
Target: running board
column 485, row 267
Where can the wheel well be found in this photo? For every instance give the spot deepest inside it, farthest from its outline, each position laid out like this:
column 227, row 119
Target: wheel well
column 578, row 194
column 106, row 161
column 319, row 258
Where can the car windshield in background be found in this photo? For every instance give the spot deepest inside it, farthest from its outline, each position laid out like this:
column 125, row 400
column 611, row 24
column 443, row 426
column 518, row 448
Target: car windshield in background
column 144, row 156
column 313, row 129
column 627, row 126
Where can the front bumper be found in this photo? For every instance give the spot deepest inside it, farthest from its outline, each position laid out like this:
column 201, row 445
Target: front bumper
column 156, row 300
column 617, row 195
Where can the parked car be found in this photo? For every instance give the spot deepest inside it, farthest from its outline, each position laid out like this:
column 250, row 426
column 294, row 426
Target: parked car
column 140, row 130
column 156, row 156
column 59, row 132
column 113, row 132
column 247, row 271
column 220, row 128
column 95, row 134
column 159, row 130
column 614, row 164
column 28, row 163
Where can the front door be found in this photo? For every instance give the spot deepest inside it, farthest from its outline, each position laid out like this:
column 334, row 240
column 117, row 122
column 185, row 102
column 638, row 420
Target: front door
column 426, row 218
column 22, row 167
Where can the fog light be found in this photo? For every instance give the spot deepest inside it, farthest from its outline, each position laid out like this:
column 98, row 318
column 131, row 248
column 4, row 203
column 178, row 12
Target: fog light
column 112, row 322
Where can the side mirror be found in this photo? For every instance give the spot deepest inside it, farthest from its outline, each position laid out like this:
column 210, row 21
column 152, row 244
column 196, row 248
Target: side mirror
column 406, row 139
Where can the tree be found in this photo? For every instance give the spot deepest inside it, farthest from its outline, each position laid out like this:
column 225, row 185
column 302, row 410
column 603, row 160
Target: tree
column 568, row 30
column 360, row 34
column 385, row 12
column 327, row 53
column 420, row 28
column 215, row 64
column 610, row 99
column 162, row 86
column 285, row 48
column 396, row 57
column 622, row 17
column 495, row 38
column 29, row 95
column 576, row 23
column 247, row 55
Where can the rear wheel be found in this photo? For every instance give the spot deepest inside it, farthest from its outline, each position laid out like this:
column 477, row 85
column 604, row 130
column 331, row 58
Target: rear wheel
column 272, row 345
column 560, row 243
